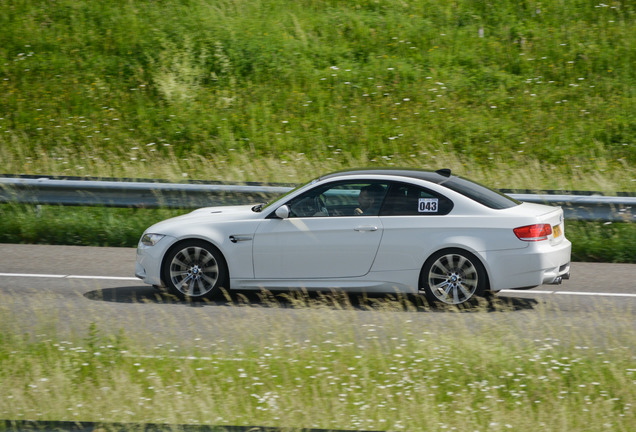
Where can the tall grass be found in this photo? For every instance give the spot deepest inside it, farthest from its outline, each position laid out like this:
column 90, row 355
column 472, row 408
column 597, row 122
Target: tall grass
column 322, row 366
column 213, row 90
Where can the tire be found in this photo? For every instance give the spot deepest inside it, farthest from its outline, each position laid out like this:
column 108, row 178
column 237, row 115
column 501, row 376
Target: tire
column 453, row 277
column 194, row 269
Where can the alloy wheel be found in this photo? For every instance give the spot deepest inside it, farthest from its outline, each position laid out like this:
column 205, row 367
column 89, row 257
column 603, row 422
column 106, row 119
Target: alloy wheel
column 194, row 271
column 453, row 279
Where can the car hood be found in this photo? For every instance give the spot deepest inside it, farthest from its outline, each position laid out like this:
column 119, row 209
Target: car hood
column 206, row 214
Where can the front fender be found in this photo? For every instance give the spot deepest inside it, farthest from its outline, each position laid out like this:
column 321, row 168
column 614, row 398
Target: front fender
column 234, row 242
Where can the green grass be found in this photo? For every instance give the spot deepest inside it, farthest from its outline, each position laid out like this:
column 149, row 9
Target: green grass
column 531, row 94
column 99, row 226
column 607, row 242
column 88, row 226
column 332, row 367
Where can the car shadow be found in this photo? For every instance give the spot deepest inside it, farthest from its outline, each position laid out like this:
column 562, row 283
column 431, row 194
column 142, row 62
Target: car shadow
column 303, row 299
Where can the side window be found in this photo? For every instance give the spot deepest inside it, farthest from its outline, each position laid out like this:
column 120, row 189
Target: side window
column 409, row 200
column 351, row 198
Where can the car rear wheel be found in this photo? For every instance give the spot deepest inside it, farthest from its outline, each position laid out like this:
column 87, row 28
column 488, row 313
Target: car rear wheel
column 194, row 269
column 453, row 276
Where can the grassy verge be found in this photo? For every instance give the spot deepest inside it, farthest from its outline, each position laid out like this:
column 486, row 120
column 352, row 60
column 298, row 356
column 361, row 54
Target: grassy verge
column 93, row 226
column 603, row 242
column 379, row 374
column 86, row 226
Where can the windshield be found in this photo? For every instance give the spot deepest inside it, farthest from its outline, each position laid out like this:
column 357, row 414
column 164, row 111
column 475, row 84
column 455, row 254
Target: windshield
column 260, row 207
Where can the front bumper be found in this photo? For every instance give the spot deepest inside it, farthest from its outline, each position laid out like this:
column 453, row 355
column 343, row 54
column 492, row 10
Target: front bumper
column 148, row 262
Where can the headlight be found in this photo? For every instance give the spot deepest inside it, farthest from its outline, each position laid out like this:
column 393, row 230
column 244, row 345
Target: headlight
column 151, row 239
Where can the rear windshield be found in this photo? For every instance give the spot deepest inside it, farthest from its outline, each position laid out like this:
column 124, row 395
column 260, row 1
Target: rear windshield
column 479, row 193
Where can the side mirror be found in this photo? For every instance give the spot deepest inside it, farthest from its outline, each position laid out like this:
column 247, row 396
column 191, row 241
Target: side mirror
column 282, row 212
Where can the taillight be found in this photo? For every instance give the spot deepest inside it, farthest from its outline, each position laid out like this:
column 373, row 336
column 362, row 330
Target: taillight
column 536, row 232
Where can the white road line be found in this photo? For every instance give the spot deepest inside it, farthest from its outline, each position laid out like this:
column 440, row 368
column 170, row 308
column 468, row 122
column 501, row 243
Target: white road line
column 102, row 277
column 68, row 276
column 532, row 291
column 595, row 294
column 579, row 293
column 31, row 275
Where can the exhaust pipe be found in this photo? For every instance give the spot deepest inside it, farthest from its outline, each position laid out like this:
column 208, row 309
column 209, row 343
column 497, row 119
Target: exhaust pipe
column 557, row 281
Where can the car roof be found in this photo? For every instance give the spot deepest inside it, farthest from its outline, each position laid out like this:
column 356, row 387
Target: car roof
column 437, row 177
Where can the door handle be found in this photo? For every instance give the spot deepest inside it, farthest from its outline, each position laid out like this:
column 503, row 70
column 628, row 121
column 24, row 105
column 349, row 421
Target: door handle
column 366, row 228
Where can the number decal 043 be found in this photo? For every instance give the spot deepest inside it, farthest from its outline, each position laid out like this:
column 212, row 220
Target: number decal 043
column 428, row 205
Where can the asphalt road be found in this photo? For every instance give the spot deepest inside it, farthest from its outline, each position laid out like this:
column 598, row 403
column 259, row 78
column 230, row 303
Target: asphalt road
column 64, row 289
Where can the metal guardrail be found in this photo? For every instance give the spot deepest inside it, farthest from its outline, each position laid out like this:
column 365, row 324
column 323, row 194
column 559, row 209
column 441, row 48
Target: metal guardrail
column 587, row 207
column 47, row 191
column 146, row 194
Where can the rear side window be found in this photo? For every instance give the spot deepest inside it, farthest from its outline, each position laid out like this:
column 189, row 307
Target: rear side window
column 409, row 200
column 479, row 193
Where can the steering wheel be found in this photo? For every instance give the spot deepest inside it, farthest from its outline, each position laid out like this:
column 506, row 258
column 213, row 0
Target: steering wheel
column 321, row 205
column 309, row 207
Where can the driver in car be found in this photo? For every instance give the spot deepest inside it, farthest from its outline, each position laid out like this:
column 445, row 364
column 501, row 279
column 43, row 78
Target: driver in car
column 369, row 200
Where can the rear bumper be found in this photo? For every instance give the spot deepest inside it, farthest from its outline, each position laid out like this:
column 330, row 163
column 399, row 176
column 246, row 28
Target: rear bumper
column 557, row 276
column 540, row 263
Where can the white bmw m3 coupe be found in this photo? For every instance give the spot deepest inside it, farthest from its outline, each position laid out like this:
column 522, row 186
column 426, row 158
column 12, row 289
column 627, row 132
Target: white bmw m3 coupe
column 374, row 230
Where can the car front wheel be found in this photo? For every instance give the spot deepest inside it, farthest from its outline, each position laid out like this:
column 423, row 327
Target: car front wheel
column 194, row 269
column 454, row 277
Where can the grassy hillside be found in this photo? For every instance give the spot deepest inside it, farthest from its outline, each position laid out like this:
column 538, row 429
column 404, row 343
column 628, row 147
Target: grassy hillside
column 514, row 93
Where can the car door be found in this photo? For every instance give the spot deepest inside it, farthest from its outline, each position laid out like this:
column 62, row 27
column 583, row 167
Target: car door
column 323, row 237
column 414, row 220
